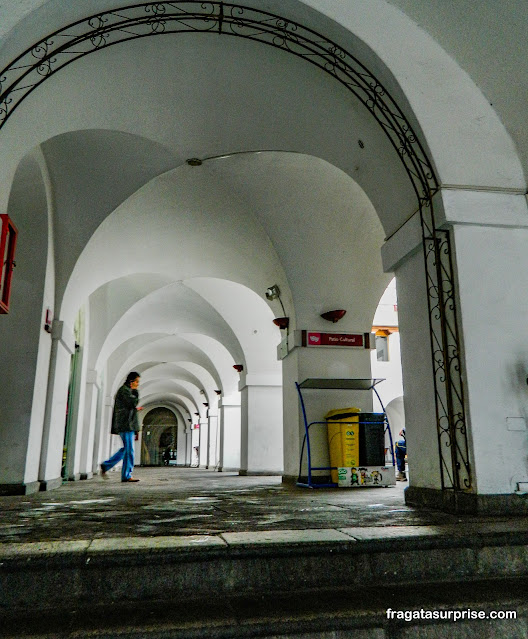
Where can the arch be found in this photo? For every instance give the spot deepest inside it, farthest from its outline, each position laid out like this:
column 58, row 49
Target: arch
column 79, row 39
column 161, row 425
column 159, row 415
column 207, row 352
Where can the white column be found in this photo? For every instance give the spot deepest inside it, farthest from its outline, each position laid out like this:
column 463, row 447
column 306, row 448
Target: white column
column 489, row 235
column 108, row 445
column 318, row 362
column 403, row 254
column 91, row 394
column 230, row 416
column 99, row 432
column 203, row 442
column 77, row 400
column 137, row 449
column 188, row 445
column 181, row 444
column 212, row 451
column 195, row 447
column 261, row 445
column 63, row 347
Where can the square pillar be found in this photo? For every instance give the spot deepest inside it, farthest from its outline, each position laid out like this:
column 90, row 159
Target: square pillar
column 230, row 417
column 488, row 235
column 261, row 445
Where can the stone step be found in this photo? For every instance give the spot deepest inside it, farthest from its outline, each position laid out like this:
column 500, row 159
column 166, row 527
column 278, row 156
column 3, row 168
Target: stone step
column 359, row 613
column 138, row 568
column 287, row 580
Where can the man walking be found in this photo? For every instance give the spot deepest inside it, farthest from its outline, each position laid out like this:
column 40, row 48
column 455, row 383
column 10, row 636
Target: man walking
column 125, row 423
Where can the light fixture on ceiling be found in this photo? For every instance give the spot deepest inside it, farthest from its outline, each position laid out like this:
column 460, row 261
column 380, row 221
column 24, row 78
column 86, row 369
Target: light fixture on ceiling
column 238, row 367
column 197, row 414
column 205, row 403
column 334, row 316
column 218, row 391
column 273, row 292
column 194, row 162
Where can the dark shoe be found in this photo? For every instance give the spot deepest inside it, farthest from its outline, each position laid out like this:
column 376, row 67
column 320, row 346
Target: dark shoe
column 103, row 472
column 129, row 479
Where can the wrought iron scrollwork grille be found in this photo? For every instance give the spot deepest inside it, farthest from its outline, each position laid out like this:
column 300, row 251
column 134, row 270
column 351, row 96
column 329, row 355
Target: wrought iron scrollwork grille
column 47, row 57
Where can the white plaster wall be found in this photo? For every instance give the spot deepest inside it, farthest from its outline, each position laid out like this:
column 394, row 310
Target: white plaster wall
column 234, row 247
column 91, row 392
column 221, row 359
column 492, row 266
column 57, row 401
column 230, row 442
column 420, row 412
column 249, row 317
column 195, row 447
column 261, row 435
column 22, row 336
column 475, row 148
column 292, row 415
column 212, row 453
column 173, row 309
column 146, row 349
column 390, row 371
column 38, row 441
column 203, row 442
column 77, row 404
column 395, row 412
column 109, row 302
column 181, row 443
column 99, row 429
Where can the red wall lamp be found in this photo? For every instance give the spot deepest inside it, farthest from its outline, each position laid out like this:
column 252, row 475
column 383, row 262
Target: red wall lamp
column 8, row 238
column 238, row 367
column 334, row 316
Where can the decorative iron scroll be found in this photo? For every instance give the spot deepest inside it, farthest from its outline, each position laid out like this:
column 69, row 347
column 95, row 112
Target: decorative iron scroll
column 97, row 32
column 453, row 447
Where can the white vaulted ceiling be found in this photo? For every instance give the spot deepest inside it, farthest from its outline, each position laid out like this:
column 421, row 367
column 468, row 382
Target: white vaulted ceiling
column 298, row 187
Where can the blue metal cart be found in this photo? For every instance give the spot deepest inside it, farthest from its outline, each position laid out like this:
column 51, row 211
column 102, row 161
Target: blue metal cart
column 333, row 384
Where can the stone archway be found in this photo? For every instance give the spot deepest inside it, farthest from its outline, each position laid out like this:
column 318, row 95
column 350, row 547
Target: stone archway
column 48, row 56
column 160, row 427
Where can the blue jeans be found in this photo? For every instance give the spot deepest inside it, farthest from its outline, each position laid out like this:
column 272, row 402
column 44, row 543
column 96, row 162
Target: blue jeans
column 126, row 453
column 400, row 451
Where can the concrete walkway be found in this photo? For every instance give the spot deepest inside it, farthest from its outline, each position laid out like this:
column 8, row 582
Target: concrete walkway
column 228, row 542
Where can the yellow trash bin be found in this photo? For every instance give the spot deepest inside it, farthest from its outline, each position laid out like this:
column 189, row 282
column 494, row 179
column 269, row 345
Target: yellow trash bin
column 343, row 438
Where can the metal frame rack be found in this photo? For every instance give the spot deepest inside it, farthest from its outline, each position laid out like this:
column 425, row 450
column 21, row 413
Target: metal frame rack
column 333, row 384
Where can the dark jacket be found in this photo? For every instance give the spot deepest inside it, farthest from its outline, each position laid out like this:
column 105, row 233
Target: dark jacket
column 124, row 417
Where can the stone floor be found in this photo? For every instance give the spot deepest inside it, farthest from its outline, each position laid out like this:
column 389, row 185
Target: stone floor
column 187, row 501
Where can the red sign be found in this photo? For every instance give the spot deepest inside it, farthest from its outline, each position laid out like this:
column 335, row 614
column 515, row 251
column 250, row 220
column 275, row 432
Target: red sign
column 8, row 238
column 334, row 339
